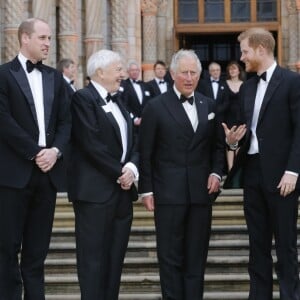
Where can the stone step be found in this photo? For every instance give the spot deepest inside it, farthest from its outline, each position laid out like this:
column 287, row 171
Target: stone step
column 157, row 296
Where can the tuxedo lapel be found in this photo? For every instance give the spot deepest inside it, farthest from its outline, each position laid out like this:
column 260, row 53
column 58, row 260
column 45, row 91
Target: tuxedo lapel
column 48, row 91
column 202, row 112
column 272, row 86
column 249, row 101
column 174, row 106
column 20, row 76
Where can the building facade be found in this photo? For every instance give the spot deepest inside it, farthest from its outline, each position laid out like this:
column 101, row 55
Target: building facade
column 147, row 30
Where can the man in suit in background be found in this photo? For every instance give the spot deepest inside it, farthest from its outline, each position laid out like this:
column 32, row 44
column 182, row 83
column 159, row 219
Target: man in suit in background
column 68, row 68
column 214, row 87
column 34, row 129
column 158, row 85
column 134, row 92
column 102, row 172
column 181, row 161
column 269, row 159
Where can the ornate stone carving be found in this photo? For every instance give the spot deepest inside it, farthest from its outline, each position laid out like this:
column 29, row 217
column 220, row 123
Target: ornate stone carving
column 13, row 15
column 67, row 29
column 119, row 27
column 149, row 7
column 291, row 6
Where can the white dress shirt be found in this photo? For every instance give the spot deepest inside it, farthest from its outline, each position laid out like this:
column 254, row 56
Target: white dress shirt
column 260, row 93
column 162, row 86
column 68, row 80
column 36, row 87
column 117, row 114
column 215, row 87
column 190, row 109
column 138, row 89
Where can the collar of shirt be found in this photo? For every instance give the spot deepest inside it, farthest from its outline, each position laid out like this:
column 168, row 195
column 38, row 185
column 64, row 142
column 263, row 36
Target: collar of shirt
column 179, row 94
column 158, row 80
column 270, row 71
column 100, row 89
column 23, row 60
column 68, row 80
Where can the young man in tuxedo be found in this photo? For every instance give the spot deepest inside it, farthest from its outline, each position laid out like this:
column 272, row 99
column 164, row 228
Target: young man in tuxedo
column 102, row 172
column 158, row 84
column 181, row 161
column 34, row 129
column 68, row 68
column 269, row 161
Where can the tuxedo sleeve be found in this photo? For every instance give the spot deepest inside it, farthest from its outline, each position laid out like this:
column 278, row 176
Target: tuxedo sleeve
column 147, row 139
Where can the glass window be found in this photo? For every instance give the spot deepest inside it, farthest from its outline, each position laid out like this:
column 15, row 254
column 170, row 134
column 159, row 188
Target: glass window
column 214, row 11
column 240, row 10
column 266, row 10
column 188, row 11
column 221, row 51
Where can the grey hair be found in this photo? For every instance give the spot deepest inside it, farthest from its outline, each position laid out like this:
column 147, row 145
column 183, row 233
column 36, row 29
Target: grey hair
column 132, row 62
column 181, row 54
column 100, row 60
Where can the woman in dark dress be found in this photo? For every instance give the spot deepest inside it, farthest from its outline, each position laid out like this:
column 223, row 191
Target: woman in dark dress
column 234, row 73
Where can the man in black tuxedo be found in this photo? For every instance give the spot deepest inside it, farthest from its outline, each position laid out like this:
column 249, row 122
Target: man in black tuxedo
column 34, row 128
column 269, row 161
column 102, row 172
column 134, row 92
column 181, row 161
column 68, row 68
column 214, row 87
column 158, row 85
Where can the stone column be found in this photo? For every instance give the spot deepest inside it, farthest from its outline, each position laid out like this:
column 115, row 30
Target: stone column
column 46, row 10
column 149, row 11
column 93, row 17
column 13, row 17
column 119, row 33
column 293, row 34
column 162, row 30
column 68, row 33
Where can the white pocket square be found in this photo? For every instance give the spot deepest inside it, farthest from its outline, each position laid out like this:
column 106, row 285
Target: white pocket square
column 106, row 108
column 211, row 116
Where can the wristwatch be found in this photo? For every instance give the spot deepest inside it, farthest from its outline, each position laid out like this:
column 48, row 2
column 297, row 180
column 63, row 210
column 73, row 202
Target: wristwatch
column 58, row 152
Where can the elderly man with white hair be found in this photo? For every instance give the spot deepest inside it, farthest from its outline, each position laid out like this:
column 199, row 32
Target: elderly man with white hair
column 102, row 172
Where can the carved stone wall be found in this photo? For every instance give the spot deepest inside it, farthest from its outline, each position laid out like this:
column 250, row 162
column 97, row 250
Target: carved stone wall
column 142, row 30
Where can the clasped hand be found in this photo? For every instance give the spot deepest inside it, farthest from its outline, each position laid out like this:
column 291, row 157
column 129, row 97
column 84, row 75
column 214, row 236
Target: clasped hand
column 126, row 179
column 46, row 159
column 234, row 134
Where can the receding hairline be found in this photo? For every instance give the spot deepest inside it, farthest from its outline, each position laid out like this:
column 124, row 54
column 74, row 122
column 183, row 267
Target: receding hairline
column 27, row 26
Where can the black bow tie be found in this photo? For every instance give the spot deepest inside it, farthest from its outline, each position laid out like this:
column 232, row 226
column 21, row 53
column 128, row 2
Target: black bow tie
column 190, row 99
column 72, row 82
column 262, row 76
column 30, row 66
column 112, row 98
column 161, row 82
column 216, row 81
column 136, row 81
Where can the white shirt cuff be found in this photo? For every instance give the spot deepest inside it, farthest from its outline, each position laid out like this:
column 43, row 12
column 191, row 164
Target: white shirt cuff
column 134, row 169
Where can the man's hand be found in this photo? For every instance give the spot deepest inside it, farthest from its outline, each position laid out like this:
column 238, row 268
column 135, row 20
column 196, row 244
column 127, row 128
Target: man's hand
column 287, row 184
column 126, row 179
column 213, row 184
column 148, row 202
column 46, row 159
column 234, row 134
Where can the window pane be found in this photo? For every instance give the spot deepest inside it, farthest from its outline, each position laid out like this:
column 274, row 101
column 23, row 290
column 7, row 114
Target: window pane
column 221, row 51
column 188, row 11
column 266, row 10
column 214, row 11
column 240, row 10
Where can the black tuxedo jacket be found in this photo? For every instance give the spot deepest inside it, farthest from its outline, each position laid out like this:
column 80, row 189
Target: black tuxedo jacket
column 19, row 131
column 154, row 88
column 278, row 128
column 175, row 161
column 130, row 98
column 69, row 90
column 205, row 87
column 97, row 148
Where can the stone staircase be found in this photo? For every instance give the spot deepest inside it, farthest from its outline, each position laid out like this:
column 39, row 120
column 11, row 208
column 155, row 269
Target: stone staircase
column 226, row 275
